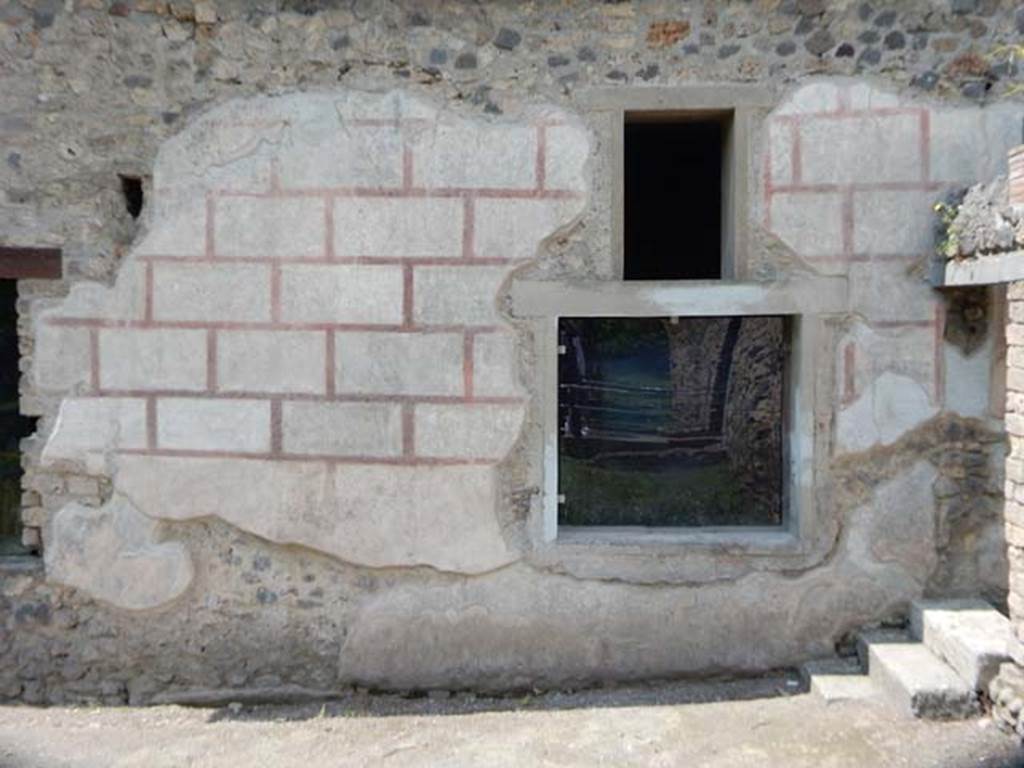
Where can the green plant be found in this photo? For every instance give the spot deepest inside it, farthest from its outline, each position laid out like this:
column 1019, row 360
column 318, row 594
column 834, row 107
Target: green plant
column 949, row 242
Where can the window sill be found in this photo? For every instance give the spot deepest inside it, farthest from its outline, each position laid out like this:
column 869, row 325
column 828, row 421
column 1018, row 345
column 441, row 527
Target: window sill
column 752, row 541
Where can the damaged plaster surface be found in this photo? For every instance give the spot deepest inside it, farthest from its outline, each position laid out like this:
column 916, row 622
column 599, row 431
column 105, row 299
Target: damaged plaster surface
column 308, row 337
column 301, row 526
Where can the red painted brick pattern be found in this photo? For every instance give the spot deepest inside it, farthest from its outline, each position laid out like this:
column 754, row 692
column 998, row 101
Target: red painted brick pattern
column 296, row 266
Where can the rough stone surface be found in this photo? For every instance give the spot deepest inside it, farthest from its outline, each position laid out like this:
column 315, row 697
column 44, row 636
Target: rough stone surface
column 969, row 635
column 919, row 681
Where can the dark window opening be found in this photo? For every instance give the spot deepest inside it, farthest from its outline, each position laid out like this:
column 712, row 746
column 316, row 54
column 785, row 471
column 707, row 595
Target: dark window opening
column 673, row 199
column 671, row 421
column 13, row 426
column 131, row 188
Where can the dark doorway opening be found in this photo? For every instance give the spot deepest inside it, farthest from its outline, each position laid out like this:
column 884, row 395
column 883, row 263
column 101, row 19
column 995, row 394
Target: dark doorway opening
column 13, row 426
column 673, row 196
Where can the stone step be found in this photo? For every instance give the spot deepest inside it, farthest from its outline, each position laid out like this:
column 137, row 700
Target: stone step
column 836, row 679
column 917, row 681
column 868, row 636
column 969, row 635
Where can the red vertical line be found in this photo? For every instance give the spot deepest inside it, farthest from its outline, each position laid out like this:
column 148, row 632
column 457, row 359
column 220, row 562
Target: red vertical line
column 275, row 291
column 407, row 295
column 211, row 360
column 276, row 439
column 796, row 156
column 849, row 373
column 542, row 154
column 94, row 359
column 329, row 363
column 407, row 175
column 843, row 100
column 148, row 300
column 151, row 441
column 926, row 145
column 329, row 228
column 847, row 218
column 408, row 430
column 468, row 226
column 210, row 212
column 467, row 365
column 940, row 358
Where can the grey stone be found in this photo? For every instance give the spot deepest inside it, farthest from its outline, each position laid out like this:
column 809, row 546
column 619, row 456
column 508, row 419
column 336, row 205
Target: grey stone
column 969, row 635
column 844, row 50
column 786, row 48
column 895, row 40
column 466, row 60
column 507, row 39
column 820, row 42
column 885, row 18
column 869, row 56
column 728, row 50
column 919, row 682
column 963, row 6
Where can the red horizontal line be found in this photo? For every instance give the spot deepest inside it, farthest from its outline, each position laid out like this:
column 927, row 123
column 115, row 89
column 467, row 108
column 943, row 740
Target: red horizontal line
column 265, row 456
column 527, row 193
column 303, row 397
column 419, row 261
column 839, row 114
column 226, row 325
column 880, row 186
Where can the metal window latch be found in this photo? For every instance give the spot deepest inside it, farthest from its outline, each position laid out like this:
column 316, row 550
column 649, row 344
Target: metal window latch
column 561, row 349
column 561, row 498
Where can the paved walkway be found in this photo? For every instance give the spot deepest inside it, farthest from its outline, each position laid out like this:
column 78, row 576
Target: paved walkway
column 749, row 723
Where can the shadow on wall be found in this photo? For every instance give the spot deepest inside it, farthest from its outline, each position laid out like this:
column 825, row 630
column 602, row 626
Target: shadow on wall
column 364, row 704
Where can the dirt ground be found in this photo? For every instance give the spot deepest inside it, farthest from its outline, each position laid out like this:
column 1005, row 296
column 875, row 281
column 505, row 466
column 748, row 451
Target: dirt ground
column 763, row 722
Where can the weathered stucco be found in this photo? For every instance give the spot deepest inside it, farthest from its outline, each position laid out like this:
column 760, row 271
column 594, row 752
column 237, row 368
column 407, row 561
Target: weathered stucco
column 303, row 428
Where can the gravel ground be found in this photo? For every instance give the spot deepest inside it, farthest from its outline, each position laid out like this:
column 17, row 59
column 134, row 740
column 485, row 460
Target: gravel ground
column 762, row 722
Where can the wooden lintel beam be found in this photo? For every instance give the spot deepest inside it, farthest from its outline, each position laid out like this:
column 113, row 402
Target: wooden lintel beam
column 24, row 263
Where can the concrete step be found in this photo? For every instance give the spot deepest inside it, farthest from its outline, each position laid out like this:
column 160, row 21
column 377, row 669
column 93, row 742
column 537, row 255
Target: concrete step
column 969, row 635
column 917, row 681
column 836, row 679
column 868, row 636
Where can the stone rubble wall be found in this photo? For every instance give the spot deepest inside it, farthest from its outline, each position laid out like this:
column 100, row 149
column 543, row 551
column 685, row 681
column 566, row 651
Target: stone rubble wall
column 301, row 436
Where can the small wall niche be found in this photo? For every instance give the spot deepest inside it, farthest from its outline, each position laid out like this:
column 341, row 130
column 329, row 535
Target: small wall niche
column 676, row 205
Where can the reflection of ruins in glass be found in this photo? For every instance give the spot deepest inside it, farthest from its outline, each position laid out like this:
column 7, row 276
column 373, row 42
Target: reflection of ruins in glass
column 671, row 421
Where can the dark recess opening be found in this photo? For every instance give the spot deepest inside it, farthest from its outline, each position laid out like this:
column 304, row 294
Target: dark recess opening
column 131, row 188
column 668, row 421
column 673, row 197
column 13, row 426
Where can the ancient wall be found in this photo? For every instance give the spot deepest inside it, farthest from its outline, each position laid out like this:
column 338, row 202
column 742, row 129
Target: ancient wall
column 293, row 415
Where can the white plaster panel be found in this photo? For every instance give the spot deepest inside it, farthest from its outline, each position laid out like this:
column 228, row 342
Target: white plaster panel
column 206, row 424
column 272, row 361
column 565, row 158
column 454, row 295
column 348, row 154
column 342, row 293
column 261, row 227
column 342, row 429
column 399, row 363
column 811, row 223
column 152, row 358
column 513, row 229
column 475, row 431
column 484, row 156
column 494, row 365
column 875, row 148
column 87, row 426
column 893, row 222
column 392, row 227
column 217, row 292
